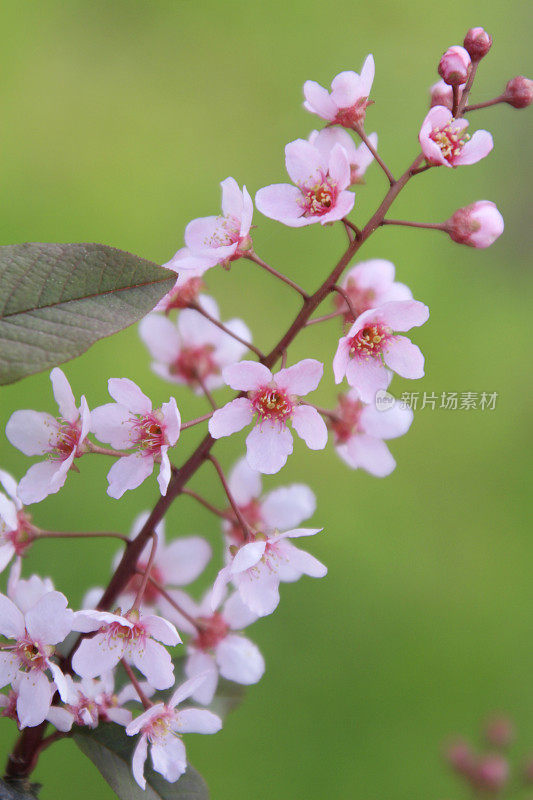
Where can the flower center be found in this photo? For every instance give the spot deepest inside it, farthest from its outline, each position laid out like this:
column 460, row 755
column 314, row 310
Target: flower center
column 361, row 299
column 20, row 537
column 67, row 440
column 347, row 422
column 319, row 199
column 369, row 341
column 227, row 232
column 212, row 630
column 159, row 728
column 33, row 655
column 130, row 635
column 194, row 363
column 148, row 432
column 450, row 140
column 270, row 403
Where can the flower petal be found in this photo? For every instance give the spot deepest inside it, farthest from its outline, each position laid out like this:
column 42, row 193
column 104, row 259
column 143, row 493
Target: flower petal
column 41, row 479
column 246, row 376
column 282, row 202
column 310, row 427
column 197, row 720
column 232, row 417
column 128, row 473
column 184, row 560
column 32, row 432
column 34, row 698
column 301, row 378
column 155, row 663
column 240, row 660
column 200, row 663
column 169, row 758
column 268, row 447
column 49, row 620
column 63, row 395
column 404, row 357
column 318, row 100
column 244, row 483
column 112, row 423
column 367, row 376
column 370, row 454
column 127, row 393
column 288, row 506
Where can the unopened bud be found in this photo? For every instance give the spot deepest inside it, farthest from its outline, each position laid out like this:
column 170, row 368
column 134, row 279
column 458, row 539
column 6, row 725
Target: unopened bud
column 499, row 732
column 477, row 43
column 477, row 225
column 441, row 94
column 491, row 773
column 519, row 92
column 454, row 66
column 460, row 757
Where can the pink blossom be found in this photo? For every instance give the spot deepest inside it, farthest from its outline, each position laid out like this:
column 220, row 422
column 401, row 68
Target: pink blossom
column 214, row 648
column 217, row 240
column 15, row 533
column 319, row 194
column 194, row 351
column 477, row 42
column 275, row 401
column 130, row 637
column 359, row 430
column 442, row 94
column 477, row 225
column 371, row 346
column 359, row 158
column 58, row 716
column 132, row 422
column 186, row 290
column 62, row 439
column 347, row 102
column 444, row 140
column 368, row 285
column 33, row 631
column 283, row 508
column 176, row 564
column 519, row 92
column 454, row 66
column 161, row 727
column 257, row 567
column 92, row 700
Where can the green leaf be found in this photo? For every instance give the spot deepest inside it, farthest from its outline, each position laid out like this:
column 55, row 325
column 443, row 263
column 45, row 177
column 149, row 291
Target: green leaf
column 56, row 300
column 228, row 697
column 18, row 789
column 111, row 750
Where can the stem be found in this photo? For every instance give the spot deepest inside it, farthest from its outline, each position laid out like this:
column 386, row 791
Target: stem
column 360, row 131
column 236, row 510
column 48, row 740
column 252, row 256
column 422, row 169
column 209, row 396
column 22, row 761
column 486, row 104
column 136, row 685
column 466, row 91
column 205, row 503
column 40, row 534
column 106, row 451
column 437, row 226
column 284, row 359
column 146, row 575
column 196, row 421
column 456, row 99
column 326, row 412
column 324, row 318
column 347, row 300
column 162, row 591
column 223, row 327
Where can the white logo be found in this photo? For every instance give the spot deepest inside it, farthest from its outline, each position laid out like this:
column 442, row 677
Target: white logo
column 384, row 400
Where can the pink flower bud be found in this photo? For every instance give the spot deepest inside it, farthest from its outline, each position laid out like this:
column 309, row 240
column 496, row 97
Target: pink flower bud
column 477, row 225
column 519, row 92
column 477, row 43
column 499, row 732
column 460, row 757
column 491, row 773
column 454, row 66
column 441, row 94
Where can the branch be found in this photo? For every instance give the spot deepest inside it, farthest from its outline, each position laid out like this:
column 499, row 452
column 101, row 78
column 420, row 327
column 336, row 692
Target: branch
column 360, row 131
column 252, row 256
column 215, row 321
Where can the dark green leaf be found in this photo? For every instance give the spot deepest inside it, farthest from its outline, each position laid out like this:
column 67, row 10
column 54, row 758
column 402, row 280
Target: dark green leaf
column 56, row 300
column 111, row 750
column 228, row 697
column 17, row 789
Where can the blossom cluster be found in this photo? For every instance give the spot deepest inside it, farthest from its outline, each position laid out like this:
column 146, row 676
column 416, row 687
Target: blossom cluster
column 155, row 622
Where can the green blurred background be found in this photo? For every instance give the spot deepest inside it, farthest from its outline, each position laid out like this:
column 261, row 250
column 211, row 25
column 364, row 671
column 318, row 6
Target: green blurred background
column 119, row 121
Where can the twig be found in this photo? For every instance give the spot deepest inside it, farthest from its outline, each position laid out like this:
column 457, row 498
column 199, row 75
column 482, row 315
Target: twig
column 466, row 91
column 162, row 591
column 437, row 226
column 205, row 503
column 142, row 588
column 486, row 104
column 347, row 300
column 106, row 451
column 207, row 315
column 209, row 396
column 136, row 685
column 192, row 422
column 248, row 535
column 360, row 131
column 324, row 318
column 252, row 256
column 37, row 533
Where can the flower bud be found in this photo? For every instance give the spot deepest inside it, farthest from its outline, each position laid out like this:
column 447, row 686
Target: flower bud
column 454, row 66
column 499, row 732
column 477, row 225
column 460, row 757
column 477, row 43
column 519, row 92
column 491, row 773
column 441, row 94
